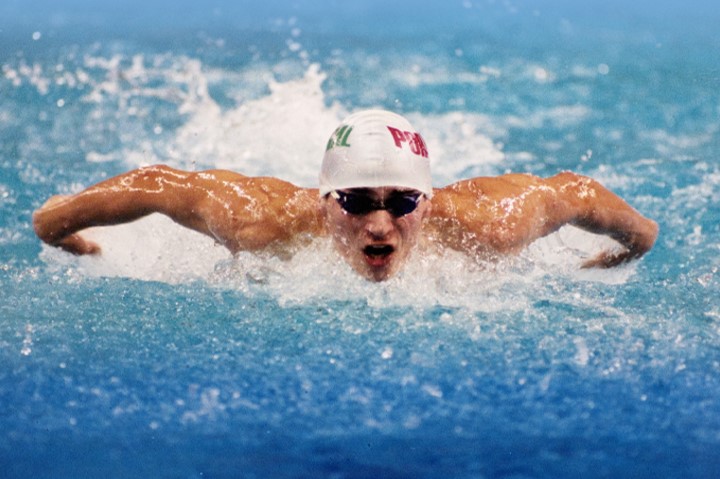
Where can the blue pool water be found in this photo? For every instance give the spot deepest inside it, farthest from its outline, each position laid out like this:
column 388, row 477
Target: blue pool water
column 168, row 358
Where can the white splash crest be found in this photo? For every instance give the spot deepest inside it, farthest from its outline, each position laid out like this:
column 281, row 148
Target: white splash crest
column 282, row 134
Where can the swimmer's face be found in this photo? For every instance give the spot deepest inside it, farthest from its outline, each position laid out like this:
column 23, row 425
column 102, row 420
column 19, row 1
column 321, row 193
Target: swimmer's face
column 375, row 242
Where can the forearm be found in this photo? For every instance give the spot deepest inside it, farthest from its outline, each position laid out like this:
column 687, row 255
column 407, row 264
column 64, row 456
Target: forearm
column 594, row 208
column 633, row 231
column 63, row 216
column 121, row 199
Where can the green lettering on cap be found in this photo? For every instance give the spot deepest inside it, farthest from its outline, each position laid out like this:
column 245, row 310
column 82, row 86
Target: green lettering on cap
column 339, row 137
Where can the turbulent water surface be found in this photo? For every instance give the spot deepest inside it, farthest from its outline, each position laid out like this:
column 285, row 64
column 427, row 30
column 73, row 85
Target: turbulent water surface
column 166, row 357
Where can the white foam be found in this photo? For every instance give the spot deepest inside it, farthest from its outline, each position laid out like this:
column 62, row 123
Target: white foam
column 151, row 249
column 460, row 145
column 276, row 128
column 156, row 249
column 282, row 134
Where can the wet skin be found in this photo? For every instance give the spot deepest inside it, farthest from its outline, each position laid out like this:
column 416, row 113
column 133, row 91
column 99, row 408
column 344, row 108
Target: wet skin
column 375, row 244
column 485, row 217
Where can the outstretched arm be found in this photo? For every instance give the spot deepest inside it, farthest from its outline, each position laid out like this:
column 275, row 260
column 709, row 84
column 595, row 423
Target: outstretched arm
column 502, row 215
column 585, row 203
column 239, row 212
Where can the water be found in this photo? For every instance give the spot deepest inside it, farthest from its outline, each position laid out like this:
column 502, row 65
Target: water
column 167, row 358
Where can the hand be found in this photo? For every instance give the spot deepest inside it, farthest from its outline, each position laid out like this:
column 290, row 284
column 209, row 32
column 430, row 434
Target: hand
column 608, row 259
column 78, row 245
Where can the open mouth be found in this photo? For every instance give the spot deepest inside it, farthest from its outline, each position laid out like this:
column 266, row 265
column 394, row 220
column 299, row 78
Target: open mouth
column 378, row 255
column 378, row 250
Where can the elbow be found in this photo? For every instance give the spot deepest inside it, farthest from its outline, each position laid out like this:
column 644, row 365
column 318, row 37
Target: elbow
column 42, row 220
column 641, row 240
column 654, row 231
column 38, row 225
column 648, row 236
column 44, row 228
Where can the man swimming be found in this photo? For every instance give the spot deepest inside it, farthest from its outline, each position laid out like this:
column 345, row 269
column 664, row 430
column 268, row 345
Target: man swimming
column 375, row 201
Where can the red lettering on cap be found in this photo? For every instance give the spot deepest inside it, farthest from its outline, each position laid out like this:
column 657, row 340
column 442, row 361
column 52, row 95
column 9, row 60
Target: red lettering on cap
column 418, row 145
column 414, row 141
column 397, row 135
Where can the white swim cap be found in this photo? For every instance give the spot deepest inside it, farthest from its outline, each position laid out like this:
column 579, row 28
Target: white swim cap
column 375, row 148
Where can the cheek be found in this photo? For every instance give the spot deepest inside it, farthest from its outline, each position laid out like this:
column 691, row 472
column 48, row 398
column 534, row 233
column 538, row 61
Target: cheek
column 340, row 226
column 417, row 220
column 411, row 228
column 412, row 222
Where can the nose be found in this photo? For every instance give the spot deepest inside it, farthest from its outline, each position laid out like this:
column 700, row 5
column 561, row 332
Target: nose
column 379, row 224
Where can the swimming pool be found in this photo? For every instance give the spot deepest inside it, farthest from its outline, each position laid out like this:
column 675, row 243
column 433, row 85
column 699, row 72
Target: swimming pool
column 168, row 358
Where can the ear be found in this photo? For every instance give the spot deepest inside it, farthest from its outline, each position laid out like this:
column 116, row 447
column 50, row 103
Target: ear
column 323, row 205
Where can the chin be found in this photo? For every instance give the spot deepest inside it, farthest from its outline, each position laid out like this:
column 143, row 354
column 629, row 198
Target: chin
column 375, row 269
column 379, row 277
column 378, row 274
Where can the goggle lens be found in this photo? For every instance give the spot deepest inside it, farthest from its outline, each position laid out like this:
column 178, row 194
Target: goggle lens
column 398, row 205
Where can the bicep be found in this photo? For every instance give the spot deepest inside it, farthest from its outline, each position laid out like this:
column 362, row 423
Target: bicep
column 245, row 213
column 213, row 202
column 502, row 214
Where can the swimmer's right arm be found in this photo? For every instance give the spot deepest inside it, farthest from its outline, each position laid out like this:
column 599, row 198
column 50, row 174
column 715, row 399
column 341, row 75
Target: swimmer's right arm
column 235, row 210
column 50, row 227
column 121, row 199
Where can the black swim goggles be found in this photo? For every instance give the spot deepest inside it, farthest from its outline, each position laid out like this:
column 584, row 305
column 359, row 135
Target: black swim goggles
column 398, row 204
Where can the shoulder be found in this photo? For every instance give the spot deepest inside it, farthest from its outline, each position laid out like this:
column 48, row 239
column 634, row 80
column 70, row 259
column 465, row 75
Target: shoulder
column 511, row 184
column 256, row 189
column 252, row 213
column 500, row 213
column 490, row 188
column 265, row 196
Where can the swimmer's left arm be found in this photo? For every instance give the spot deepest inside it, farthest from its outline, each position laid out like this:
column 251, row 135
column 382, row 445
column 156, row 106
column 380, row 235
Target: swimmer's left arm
column 585, row 203
column 502, row 215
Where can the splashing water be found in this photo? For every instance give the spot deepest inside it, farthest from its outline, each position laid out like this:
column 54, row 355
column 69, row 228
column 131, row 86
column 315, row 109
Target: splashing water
column 271, row 136
column 167, row 357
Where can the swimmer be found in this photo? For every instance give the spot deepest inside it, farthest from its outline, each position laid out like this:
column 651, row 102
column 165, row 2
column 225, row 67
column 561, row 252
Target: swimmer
column 375, row 201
